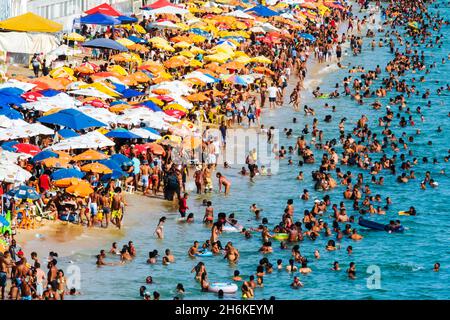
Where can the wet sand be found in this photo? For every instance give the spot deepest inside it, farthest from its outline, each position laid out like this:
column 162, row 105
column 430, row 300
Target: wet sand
column 67, row 238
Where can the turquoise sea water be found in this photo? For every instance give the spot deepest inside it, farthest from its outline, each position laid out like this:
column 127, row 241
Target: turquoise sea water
column 405, row 260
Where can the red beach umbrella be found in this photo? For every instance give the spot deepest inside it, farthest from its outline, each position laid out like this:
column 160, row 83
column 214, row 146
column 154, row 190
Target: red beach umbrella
column 27, row 148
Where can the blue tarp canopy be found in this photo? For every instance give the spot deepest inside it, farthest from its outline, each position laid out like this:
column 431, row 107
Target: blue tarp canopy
column 66, row 173
column 100, row 19
column 71, row 118
column 67, row 133
column 122, row 134
column 104, row 43
column 262, row 11
column 126, row 19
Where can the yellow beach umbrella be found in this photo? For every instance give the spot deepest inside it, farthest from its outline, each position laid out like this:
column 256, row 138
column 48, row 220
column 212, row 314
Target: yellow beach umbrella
column 75, row 37
column 195, row 63
column 118, row 69
column 182, row 45
column 187, row 54
column 156, row 101
column 125, row 42
column 196, row 50
column 175, row 106
column 119, row 108
column 261, row 59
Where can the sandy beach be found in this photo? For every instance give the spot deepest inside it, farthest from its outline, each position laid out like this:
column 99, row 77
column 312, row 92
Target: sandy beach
column 68, row 238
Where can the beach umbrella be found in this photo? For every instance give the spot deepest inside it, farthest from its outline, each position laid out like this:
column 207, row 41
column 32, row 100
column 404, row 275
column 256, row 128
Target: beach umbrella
column 13, row 173
column 55, row 163
column 71, row 118
column 307, row 36
column 96, row 167
column 116, row 174
column 156, row 149
column 90, row 155
column 67, row 173
column 10, row 112
column 151, row 105
column 122, row 134
column 67, row 133
column 24, row 192
column 4, row 222
column 121, row 159
column 9, row 145
column 104, row 43
column 66, row 182
column 80, row 190
column 137, row 39
column 113, row 165
column 27, row 148
column 44, row 155
column 261, row 59
column 73, row 36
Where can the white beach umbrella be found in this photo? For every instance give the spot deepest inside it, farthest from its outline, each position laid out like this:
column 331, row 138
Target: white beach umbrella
column 146, row 134
column 240, row 14
column 100, row 114
column 91, row 92
column 90, row 140
column 13, row 173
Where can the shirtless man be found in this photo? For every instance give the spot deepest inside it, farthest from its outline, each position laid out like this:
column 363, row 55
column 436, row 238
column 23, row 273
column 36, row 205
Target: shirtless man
column 223, row 182
column 145, row 171
column 198, row 177
column 105, row 202
column 193, row 250
column 116, row 207
column 207, row 178
column 5, row 265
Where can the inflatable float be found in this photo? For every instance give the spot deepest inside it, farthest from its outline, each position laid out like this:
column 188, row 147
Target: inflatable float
column 280, row 236
column 405, row 213
column 229, row 228
column 204, row 253
column 378, row 226
column 226, row 287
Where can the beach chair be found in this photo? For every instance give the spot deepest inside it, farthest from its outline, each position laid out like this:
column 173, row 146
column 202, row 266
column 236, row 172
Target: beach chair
column 130, row 189
column 39, row 211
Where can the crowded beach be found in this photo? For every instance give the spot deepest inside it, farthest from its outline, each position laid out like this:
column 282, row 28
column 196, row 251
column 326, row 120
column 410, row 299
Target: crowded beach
column 139, row 106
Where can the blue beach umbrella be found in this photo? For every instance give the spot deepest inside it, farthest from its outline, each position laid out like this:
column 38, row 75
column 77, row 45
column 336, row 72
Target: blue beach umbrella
column 49, row 92
column 122, row 134
column 121, row 159
column 116, row 174
column 104, row 43
column 67, row 133
column 262, row 11
column 137, row 39
column 3, row 222
column 130, row 93
column 71, row 118
column 9, row 145
column 45, row 155
column 151, row 105
column 113, row 165
column 10, row 113
column 24, row 192
column 67, row 173
column 307, row 36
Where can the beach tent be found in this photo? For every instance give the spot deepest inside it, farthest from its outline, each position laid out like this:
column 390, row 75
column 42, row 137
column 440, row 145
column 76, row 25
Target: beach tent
column 71, row 118
column 28, row 43
column 30, row 22
column 105, row 9
column 158, row 4
column 262, row 11
column 100, row 19
column 104, row 43
column 168, row 10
